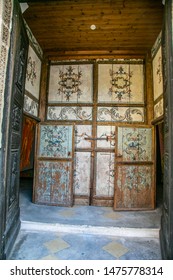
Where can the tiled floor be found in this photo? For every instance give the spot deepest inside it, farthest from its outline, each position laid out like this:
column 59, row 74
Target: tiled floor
column 85, row 233
column 58, row 246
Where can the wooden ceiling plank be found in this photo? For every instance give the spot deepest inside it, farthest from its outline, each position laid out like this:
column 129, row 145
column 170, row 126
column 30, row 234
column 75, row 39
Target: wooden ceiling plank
column 120, row 24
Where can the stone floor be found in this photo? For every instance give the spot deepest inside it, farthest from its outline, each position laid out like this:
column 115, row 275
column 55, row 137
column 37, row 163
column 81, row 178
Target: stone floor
column 85, row 233
column 36, row 245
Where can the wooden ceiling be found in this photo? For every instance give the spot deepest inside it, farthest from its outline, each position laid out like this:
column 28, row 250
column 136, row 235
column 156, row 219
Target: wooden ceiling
column 63, row 27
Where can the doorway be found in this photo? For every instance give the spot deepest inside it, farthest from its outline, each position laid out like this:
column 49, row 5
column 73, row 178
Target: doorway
column 104, row 102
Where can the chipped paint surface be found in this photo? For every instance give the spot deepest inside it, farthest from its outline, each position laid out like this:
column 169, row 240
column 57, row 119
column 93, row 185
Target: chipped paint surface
column 134, row 187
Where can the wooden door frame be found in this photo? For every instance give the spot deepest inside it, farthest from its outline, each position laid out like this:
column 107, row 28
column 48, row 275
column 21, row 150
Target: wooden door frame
column 166, row 232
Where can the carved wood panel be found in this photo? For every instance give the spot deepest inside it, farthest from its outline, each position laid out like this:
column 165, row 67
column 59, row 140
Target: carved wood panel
column 16, row 118
column 12, row 123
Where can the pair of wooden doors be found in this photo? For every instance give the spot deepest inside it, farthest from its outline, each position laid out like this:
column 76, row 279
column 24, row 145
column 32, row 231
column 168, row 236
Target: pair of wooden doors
column 117, row 170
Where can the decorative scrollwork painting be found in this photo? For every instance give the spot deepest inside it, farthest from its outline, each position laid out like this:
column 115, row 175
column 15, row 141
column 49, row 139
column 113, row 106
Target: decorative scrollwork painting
column 71, row 83
column 121, row 83
column 53, row 176
column 33, row 73
column 30, row 106
column 157, row 74
column 158, row 109
column 120, row 114
column 55, row 141
column 135, row 144
column 69, row 113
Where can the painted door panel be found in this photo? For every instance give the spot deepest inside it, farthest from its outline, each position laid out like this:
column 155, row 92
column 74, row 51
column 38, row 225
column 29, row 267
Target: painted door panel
column 54, row 180
column 82, row 177
column 134, row 180
column 105, row 174
column 54, row 165
column 134, row 144
column 81, row 133
column 55, row 141
column 134, row 187
column 106, row 137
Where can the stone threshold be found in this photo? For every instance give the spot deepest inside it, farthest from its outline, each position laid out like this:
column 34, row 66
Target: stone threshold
column 95, row 230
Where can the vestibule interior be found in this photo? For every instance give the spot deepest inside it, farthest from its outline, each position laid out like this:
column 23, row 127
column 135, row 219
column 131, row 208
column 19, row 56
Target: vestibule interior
column 98, row 129
column 101, row 83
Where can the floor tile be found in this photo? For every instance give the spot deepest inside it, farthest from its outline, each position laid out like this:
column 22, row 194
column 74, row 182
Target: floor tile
column 116, row 249
column 113, row 215
column 56, row 245
column 67, row 213
column 50, row 257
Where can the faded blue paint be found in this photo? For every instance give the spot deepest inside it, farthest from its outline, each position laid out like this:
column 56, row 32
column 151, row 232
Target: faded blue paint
column 55, row 141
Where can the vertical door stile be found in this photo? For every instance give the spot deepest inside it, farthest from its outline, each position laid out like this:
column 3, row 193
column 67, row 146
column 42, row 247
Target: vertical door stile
column 94, row 135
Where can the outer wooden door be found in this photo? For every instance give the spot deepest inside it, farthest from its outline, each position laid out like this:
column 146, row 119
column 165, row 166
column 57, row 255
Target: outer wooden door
column 12, row 126
column 134, row 180
column 54, row 165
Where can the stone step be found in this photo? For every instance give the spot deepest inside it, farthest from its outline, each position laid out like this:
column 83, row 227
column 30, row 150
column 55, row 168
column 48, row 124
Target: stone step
column 87, row 229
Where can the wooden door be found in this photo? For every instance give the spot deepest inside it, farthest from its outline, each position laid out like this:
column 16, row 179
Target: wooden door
column 97, row 97
column 54, row 164
column 134, row 180
column 11, row 128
